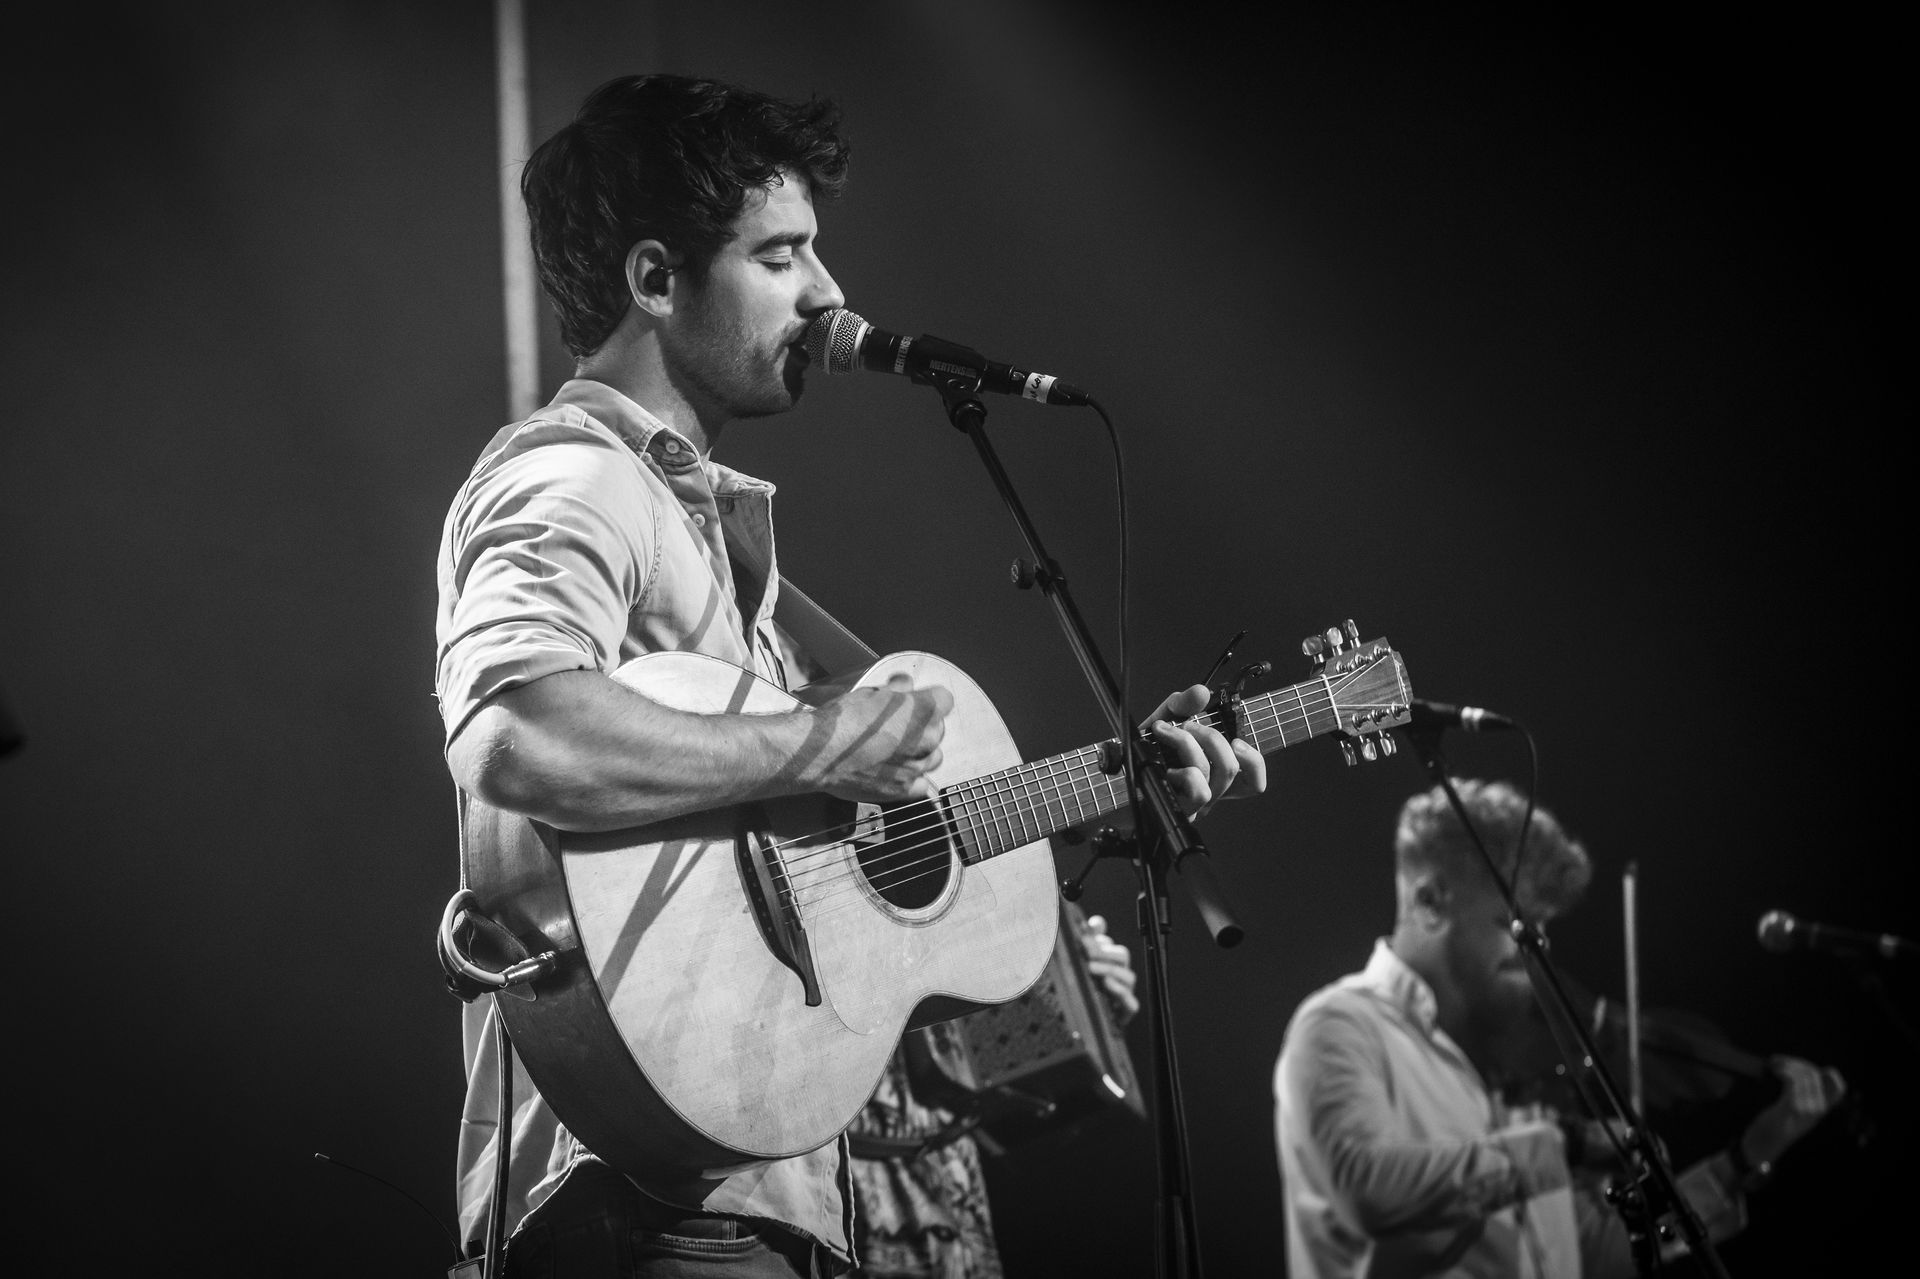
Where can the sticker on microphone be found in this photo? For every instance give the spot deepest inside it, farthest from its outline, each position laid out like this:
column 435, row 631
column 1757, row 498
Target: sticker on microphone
column 1037, row 387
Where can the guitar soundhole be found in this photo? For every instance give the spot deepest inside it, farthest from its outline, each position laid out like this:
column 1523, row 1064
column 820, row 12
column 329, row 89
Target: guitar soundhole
column 905, row 853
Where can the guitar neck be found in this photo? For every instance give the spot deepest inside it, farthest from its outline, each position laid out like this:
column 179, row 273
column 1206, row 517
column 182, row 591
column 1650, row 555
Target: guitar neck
column 1007, row 810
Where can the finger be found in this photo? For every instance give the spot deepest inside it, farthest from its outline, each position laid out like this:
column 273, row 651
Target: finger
column 900, row 682
column 1223, row 766
column 1253, row 769
column 1179, row 747
column 1188, row 701
column 930, row 706
column 1211, row 761
column 942, row 699
column 1189, row 789
column 1094, row 924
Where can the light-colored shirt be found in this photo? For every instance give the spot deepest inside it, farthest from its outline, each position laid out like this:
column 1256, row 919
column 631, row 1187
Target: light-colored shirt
column 586, row 536
column 1396, row 1159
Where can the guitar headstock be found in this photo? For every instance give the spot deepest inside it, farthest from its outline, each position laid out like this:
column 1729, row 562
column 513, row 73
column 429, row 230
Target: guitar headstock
column 1369, row 687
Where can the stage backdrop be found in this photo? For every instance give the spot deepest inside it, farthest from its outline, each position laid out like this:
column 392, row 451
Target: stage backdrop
column 1553, row 350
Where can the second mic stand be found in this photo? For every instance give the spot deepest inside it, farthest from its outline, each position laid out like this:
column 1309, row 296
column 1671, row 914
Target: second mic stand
column 1163, row 839
column 1647, row 1165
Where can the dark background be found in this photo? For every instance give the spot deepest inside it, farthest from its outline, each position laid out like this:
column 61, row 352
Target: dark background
column 1557, row 351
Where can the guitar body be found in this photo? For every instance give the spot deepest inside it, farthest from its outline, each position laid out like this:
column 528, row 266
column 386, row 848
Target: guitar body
column 676, row 1038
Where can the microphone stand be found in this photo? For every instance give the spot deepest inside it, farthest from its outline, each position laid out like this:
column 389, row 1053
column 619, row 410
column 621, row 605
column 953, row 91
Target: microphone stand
column 1643, row 1156
column 1163, row 839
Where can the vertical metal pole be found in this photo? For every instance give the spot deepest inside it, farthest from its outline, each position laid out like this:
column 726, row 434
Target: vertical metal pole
column 1628, row 885
column 516, row 254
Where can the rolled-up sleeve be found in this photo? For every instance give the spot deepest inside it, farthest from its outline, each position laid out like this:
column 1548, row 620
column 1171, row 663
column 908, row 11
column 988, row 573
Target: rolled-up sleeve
column 546, row 551
column 1339, row 1091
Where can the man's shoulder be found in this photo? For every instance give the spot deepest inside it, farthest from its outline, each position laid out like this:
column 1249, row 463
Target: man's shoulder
column 1350, row 1001
column 557, row 430
column 558, row 451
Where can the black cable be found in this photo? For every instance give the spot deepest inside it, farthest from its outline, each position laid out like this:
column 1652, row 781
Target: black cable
column 502, row 1150
column 372, row 1176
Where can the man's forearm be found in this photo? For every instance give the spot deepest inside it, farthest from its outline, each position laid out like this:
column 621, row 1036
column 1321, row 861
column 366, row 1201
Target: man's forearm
column 579, row 751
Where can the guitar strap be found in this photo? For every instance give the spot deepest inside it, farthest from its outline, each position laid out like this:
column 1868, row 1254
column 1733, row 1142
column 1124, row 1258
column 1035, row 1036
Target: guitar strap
column 818, row 633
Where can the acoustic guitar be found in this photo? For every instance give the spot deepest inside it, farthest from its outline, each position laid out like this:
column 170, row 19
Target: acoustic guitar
column 728, row 986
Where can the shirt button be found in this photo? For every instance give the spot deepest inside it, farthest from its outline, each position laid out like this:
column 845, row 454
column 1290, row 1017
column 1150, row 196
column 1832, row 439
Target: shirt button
column 673, row 446
column 699, row 519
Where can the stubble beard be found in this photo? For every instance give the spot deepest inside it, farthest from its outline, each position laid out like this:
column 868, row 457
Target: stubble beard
column 721, row 369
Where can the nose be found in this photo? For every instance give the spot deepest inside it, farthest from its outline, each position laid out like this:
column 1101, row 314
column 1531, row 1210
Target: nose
column 822, row 293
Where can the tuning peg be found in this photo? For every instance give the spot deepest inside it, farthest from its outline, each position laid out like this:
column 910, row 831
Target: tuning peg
column 1315, row 647
column 1335, row 640
column 1346, row 749
column 1368, row 751
column 1353, row 633
column 1387, row 745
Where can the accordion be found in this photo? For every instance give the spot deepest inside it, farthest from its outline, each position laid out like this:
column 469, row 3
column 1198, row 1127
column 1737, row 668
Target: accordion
column 1053, row 1060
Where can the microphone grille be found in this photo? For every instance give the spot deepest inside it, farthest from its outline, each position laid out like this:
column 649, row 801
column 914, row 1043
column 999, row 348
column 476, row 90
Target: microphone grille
column 833, row 340
column 1776, row 931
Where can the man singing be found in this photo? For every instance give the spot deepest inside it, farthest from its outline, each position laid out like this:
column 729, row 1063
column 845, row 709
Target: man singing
column 673, row 225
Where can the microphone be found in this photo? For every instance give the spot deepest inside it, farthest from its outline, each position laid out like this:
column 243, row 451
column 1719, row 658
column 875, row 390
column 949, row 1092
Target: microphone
column 1781, row 932
column 840, row 342
column 1472, row 719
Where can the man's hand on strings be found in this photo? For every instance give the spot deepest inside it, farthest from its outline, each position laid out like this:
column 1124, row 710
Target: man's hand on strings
column 878, row 745
column 1203, row 767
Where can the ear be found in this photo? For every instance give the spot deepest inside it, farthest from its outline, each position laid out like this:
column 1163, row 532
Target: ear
column 1432, row 903
column 650, row 278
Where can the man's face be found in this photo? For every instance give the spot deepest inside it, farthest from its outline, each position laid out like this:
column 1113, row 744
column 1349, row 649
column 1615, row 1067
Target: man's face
column 1485, row 959
column 734, row 347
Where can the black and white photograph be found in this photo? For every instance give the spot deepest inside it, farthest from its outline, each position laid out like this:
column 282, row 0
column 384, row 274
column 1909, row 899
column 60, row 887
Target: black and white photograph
column 1003, row 640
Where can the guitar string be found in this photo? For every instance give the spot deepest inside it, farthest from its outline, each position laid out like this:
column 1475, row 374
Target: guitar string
column 1000, row 800
column 999, row 808
column 989, row 819
column 1005, row 785
column 891, row 869
column 1002, row 823
column 1001, row 816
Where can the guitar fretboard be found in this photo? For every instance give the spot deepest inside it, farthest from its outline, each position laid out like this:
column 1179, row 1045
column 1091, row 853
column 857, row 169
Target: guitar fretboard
column 1003, row 811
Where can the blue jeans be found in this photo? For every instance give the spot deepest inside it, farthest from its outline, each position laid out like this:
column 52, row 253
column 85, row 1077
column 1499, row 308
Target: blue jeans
column 598, row 1225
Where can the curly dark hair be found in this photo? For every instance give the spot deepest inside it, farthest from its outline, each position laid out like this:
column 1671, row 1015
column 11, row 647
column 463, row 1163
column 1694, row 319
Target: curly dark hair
column 666, row 158
column 1430, row 837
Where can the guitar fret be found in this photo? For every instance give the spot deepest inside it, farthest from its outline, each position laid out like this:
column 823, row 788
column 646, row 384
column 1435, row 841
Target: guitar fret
column 1003, row 811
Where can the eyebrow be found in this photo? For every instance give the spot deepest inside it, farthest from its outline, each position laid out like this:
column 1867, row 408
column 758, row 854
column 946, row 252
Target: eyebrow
column 786, row 239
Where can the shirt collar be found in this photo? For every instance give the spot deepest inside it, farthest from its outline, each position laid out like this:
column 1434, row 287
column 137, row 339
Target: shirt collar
column 1388, row 976
column 645, row 433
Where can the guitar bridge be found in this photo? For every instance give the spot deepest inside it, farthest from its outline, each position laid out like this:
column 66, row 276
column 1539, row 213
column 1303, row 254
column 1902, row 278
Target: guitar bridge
column 764, row 876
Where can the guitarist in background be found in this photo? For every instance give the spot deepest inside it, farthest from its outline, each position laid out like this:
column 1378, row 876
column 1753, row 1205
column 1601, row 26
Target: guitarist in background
column 673, row 228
